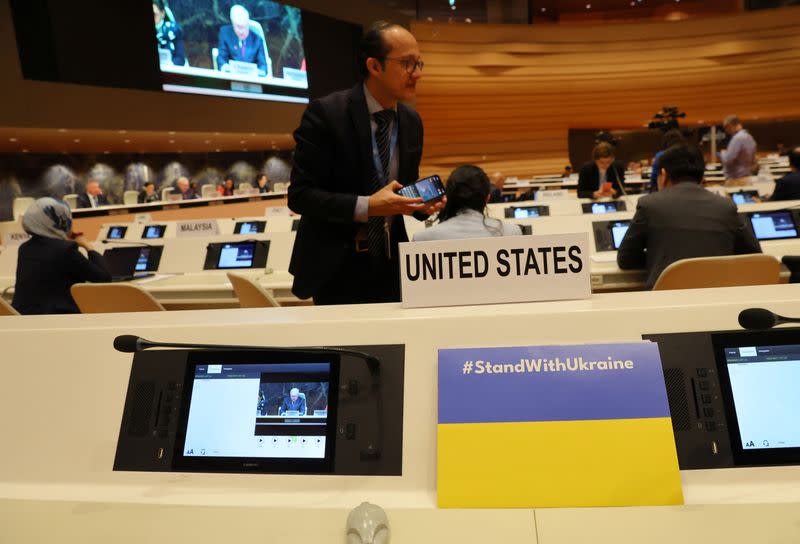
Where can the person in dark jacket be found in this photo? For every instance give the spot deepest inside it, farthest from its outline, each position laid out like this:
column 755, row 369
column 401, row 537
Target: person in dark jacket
column 49, row 263
column 601, row 177
column 788, row 187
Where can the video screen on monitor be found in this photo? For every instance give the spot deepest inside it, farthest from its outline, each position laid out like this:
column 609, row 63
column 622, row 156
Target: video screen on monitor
column 524, row 213
column 268, row 411
column 249, row 227
column 236, row 255
column 745, row 197
column 154, row 231
column 773, row 225
column 116, row 233
column 240, row 48
column 603, row 207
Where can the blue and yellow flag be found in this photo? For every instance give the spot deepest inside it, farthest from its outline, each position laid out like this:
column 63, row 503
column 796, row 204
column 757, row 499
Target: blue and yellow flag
column 555, row 426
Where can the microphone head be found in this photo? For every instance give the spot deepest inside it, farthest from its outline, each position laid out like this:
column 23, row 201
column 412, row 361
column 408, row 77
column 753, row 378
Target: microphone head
column 757, row 319
column 126, row 343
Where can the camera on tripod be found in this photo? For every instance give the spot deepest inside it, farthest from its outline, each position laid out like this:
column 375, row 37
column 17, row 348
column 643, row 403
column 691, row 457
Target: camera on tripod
column 667, row 118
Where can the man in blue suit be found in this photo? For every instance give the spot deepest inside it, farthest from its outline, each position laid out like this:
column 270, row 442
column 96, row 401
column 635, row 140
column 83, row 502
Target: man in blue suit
column 237, row 42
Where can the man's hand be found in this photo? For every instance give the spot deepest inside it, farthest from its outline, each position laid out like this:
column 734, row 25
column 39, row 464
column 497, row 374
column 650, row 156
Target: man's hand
column 386, row 202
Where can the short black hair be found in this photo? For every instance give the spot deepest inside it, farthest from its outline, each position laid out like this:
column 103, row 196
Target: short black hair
column 373, row 45
column 467, row 188
column 672, row 137
column 794, row 157
column 683, row 163
column 146, row 183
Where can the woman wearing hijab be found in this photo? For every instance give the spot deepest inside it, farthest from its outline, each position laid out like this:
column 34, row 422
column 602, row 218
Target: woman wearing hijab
column 49, row 263
column 464, row 215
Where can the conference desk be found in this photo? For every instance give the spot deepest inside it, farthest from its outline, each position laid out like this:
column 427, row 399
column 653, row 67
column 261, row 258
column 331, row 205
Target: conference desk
column 63, row 386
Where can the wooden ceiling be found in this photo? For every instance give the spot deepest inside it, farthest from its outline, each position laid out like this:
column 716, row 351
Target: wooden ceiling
column 60, row 140
column 505, row 96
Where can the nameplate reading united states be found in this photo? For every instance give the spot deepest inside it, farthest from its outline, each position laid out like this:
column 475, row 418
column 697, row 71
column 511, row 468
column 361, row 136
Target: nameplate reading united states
column 203, row 227
column 495, row 270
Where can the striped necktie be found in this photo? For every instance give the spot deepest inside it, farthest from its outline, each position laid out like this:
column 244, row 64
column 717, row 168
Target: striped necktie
column 377, row 226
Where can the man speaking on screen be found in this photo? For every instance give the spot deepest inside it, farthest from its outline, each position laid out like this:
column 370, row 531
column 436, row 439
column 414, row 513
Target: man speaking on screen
column 354, row 150
column 237, row 42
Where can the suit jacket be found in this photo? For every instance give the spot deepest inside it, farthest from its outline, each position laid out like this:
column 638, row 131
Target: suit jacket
column 589, row 178
column 299, row 405
column 333, row 165
column 46, row 269
column 466, row 225
column 228, row 46
column 682, row 222
column 84, row 202
column 787, row 188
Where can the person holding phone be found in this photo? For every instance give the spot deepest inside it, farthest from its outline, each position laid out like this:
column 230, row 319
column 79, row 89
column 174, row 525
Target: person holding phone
column 468, row 189
column 355, row 149
column 602, row 177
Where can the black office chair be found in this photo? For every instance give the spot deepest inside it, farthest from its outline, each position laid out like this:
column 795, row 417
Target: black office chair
column 792, row 262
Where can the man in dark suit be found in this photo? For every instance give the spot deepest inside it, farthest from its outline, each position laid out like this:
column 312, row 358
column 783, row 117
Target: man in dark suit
column 294, row 402
column 237, row 42
column 596, row 175
column 355, row 149
column 788, row 187
column 93, row 197
column 683, row 220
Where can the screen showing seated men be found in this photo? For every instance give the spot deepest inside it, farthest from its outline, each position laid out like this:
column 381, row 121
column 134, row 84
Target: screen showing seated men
column 259, row 411
column 236, row 255
column 618, row 231
column 773, row 225
column 765, row 381
column 239, row 48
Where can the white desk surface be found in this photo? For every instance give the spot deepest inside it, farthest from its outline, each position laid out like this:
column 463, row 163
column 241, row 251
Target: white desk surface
column 63, row 473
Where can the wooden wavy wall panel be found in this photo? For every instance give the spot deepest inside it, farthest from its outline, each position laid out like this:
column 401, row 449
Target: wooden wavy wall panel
column 504, row 96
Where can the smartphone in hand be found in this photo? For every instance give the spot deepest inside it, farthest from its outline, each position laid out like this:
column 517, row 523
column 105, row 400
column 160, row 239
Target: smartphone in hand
column 428, row 189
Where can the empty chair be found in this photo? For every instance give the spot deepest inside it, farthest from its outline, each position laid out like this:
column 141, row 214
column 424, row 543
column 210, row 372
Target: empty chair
column 251, row 294
column 6, row 308
column 208, row 191
column 20, row 205
column 130, row 197
column 245, row 187
column 729, row 271
column 280, row 186
column 71, row 200
column 165, row 192
column 102, row 298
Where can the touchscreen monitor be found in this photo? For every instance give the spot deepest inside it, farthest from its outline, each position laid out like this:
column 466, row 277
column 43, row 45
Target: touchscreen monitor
column 154, row 231
column 603, row 207
column 773, row 225
column 272, row 413
column 760, row 379
column 116, row 232
column 744, row 197
column 249, row 227
column 236, row 255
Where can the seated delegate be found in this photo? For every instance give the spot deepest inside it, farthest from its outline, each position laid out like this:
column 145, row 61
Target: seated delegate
column 468, row 190
column 148, row 194
column 682, row 220
column 294, row 402
column 168, row 34
column 92, row 197
column 237, row 42
column 601, row 177
column 262, row 183
column 49, row 263
column 788, row 187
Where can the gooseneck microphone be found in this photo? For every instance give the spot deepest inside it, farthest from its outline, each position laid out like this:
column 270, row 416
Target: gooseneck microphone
column 129, row 343
column 760, row 319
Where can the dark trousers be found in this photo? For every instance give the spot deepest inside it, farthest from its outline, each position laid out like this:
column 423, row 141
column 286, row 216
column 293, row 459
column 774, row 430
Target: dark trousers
column 362, row 280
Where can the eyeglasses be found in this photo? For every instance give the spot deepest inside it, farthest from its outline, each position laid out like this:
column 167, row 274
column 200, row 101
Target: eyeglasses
column 410, row 65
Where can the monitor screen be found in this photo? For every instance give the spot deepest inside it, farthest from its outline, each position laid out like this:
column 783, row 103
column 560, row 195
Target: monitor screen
column 249, row 227
column 236, row 255
column 604, row 207
column 154, row 231
column 764, row 383
column 744, row 197
column 267, row 411
column 618, row 231
column 773, row 225
column 116, row 233
column 523, row 213
column 141, row 262
column 295, row 224
column 245, row 49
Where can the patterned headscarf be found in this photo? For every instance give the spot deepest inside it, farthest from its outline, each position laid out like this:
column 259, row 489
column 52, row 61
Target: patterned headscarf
column 49, row 218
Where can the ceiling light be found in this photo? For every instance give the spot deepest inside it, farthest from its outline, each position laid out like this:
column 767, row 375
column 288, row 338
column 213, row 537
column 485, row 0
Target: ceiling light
column 24, row 150
column 62, row 130
column 12, row 139
column 127, row 141
column 241, row 141
column 217, row 150
column 171, row 132
column 122, row 131
column 172, row 141
column 77, row 140
column 207, row 142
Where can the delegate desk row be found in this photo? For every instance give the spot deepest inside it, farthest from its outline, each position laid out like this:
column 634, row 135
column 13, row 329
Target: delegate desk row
column 240, row 226
column 71, row 360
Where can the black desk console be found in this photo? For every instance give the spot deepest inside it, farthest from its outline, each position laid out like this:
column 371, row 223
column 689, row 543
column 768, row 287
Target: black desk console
column 264, row 411
column 734, row 396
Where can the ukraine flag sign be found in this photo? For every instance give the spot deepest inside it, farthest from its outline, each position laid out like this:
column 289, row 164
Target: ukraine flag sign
column 555, row 426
